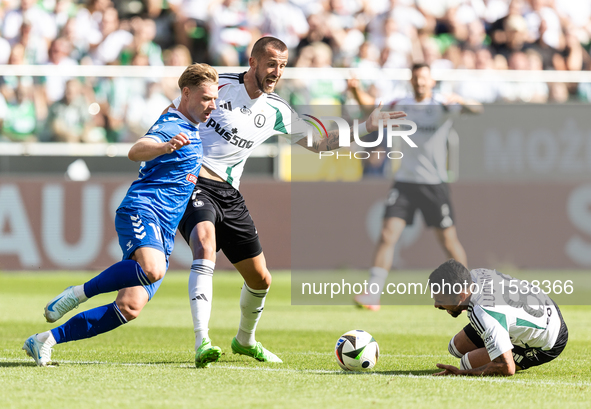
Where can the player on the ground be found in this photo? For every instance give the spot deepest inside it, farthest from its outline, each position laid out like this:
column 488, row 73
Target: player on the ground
column 248, row 113
column 422, row 176
column 146, row 221
column 513, row 324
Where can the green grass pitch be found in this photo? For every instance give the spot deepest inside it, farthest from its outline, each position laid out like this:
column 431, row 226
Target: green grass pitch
column 149, row 362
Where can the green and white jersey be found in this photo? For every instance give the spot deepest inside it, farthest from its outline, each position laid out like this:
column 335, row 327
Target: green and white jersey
column 504, row 319
column 239, row 124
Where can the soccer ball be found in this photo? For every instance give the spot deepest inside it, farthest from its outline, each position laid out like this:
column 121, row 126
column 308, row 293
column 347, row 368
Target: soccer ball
column 356, row 351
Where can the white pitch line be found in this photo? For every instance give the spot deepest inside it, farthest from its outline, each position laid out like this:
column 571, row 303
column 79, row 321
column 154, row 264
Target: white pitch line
column 533, row 382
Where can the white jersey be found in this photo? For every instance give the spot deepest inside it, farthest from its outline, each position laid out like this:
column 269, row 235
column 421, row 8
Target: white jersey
column 239, row 124
column 503, row 319
column 426, row 164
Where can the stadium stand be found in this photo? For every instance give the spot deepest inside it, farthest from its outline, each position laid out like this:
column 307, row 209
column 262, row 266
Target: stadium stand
column 542, row 41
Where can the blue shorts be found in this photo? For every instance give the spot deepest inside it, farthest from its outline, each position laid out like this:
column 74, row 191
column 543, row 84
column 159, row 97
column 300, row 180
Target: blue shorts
column 141, row 228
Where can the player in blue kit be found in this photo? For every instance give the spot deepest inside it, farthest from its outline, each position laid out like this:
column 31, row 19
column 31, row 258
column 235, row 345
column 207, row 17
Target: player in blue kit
column 146, row 221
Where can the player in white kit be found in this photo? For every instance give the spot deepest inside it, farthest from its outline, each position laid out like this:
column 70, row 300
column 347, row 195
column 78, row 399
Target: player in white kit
column 248, row 113
column 513, row 324
column 421, row 179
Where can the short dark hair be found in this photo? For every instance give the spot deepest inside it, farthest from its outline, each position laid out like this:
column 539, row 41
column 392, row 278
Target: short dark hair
column 419, row 65
column 452, row 272
column 260, row 47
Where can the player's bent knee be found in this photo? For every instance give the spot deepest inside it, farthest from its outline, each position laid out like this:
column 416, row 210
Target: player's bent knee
column 130, row 310
column 386, row 237
column 129, row 314
column 261, row 282
column 453, row 349
column 268, row 279
column 155, row 274
column 389, row 236
column 206, row 251
column 155, row 271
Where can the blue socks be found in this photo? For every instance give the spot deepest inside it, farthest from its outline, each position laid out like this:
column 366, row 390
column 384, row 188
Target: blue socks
column 126, row 273
column 89, row 324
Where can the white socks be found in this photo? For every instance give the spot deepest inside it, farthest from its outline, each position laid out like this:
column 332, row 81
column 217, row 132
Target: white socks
column 46, row 337
column 79, row 292
column 251, row 306
column 200, row 295
column 453, row 350
column 465, row 362
column 377, row 275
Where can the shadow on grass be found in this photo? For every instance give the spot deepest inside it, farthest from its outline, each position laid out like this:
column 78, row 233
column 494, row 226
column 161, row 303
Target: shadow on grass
column 422, row 372
column 246, row 365
column 9, row 364
column 155, row 363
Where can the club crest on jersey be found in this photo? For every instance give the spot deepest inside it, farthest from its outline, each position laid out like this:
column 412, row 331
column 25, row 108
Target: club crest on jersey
column 192, row 178
column 245, row 110
column 198, row 203
column 259, row 120
column 230, row 136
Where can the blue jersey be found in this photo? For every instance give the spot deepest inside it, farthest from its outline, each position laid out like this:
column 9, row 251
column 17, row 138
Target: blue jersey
column 166, row 182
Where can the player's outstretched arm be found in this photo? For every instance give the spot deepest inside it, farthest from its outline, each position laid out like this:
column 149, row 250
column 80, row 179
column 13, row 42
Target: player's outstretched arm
column 147, row 148
column 500, row 366
column 332, row 139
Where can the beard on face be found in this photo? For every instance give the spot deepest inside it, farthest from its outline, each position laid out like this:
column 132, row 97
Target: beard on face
column 454, row 314
column 420, row 92
column 261, row 83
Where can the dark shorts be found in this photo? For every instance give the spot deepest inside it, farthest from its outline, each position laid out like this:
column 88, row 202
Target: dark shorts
column 527, row 357
column 432, row 200
column 223, row 205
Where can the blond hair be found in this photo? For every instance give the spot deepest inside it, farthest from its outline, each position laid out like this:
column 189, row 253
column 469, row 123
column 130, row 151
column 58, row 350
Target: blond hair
column 197, row 74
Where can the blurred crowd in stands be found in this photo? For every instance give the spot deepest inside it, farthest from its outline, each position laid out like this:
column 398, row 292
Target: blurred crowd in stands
column 447, row 34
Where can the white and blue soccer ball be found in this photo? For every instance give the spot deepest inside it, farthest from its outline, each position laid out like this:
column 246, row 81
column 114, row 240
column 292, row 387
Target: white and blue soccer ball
column 357, row 350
